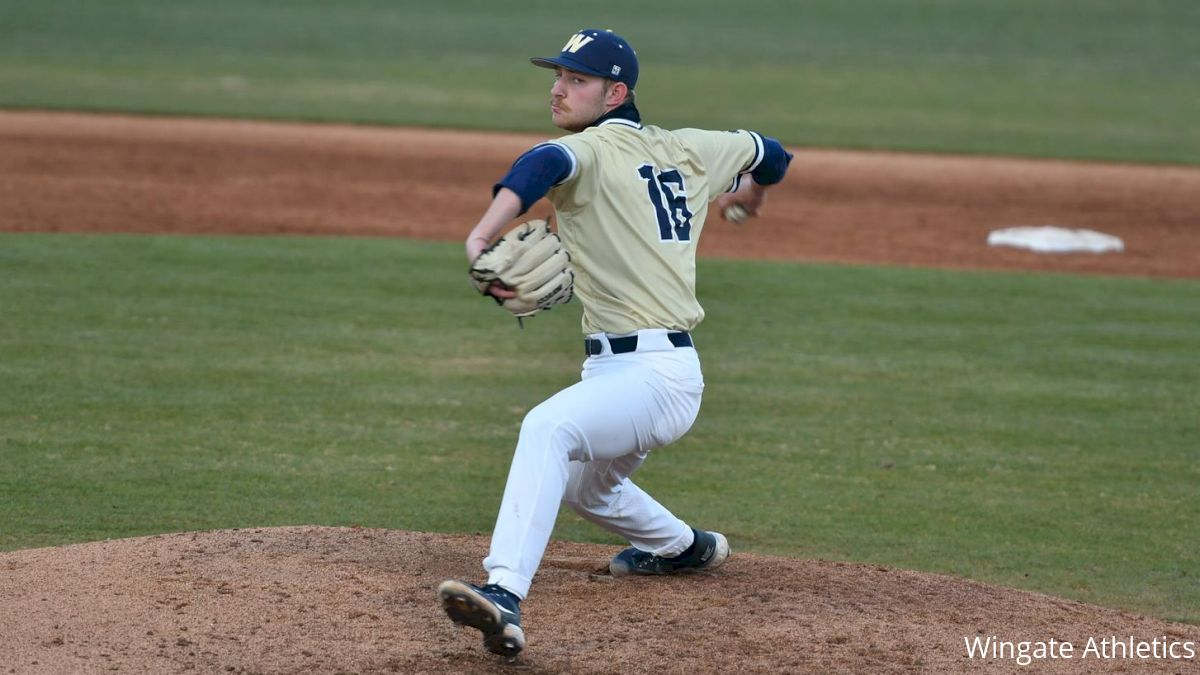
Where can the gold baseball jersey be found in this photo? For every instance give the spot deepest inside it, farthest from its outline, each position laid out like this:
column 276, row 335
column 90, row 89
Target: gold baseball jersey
column 631, row 211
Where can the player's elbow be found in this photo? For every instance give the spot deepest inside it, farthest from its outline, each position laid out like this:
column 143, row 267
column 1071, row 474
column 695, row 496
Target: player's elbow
column 774, row 164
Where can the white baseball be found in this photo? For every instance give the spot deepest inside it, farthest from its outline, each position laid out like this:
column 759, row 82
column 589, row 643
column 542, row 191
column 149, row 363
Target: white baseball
column 736, row 214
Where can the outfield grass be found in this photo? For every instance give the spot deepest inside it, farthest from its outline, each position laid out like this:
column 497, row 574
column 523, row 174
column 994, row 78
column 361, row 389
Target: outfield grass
column 1037, row 431
column 1111, row 79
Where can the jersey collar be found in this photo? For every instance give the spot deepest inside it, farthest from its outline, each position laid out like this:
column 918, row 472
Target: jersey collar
column 626, row 115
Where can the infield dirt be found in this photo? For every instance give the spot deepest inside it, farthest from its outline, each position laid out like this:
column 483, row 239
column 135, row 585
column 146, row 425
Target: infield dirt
column 326, row 600
column 79, row 173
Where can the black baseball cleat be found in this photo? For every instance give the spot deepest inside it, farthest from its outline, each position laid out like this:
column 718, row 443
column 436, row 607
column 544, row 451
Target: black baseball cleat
column 491, row 609
column 708, row 551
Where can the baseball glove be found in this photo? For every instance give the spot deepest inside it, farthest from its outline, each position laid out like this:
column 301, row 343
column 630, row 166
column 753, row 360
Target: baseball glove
column 531, row 261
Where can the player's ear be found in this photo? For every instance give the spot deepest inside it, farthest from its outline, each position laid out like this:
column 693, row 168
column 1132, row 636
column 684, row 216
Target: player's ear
column 615, row 93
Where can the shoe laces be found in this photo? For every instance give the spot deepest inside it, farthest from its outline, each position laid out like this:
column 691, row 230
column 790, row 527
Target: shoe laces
column 502, row 596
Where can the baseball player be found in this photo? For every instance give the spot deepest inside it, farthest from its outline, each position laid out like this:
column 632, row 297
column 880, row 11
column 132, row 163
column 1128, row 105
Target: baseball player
column 630, row 201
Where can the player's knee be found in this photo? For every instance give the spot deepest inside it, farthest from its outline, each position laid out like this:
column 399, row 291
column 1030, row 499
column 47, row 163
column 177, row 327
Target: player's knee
column 542, row 426
column 539, row 424
column 590, row 492
column 586, row 502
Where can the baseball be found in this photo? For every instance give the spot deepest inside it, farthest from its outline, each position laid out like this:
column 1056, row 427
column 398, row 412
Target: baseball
column 736, row 214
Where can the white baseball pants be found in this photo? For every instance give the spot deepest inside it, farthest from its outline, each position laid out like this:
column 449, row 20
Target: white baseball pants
column 581, row 445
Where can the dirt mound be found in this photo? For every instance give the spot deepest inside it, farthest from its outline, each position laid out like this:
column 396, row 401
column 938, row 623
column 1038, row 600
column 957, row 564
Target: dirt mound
column 329, row 600
column 75, row 173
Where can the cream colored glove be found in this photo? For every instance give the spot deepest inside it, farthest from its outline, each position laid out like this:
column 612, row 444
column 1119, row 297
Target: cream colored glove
column 530, row 261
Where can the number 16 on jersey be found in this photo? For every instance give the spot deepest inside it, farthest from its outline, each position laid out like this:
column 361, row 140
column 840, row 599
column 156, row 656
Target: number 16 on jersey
column 668, row 196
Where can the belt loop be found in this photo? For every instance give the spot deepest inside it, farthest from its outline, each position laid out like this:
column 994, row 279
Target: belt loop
column 592, row 347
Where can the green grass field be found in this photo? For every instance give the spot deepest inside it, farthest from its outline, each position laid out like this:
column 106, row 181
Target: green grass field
column 1107, row 79
column 1037, row 431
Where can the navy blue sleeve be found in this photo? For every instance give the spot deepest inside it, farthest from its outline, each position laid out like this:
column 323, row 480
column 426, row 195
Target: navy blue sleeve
column 535, row 172
column 774, row 163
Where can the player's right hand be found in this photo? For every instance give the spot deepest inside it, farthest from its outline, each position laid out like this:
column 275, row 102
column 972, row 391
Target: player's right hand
column 750, row 196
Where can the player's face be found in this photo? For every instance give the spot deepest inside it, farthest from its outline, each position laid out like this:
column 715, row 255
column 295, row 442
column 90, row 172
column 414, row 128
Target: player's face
column 576, row 100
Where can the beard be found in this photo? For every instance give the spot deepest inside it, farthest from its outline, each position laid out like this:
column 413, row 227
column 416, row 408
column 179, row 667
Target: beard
column 576, row 119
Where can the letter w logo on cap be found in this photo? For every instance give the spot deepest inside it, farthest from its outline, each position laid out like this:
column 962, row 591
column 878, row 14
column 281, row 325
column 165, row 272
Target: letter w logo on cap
column 576, row 42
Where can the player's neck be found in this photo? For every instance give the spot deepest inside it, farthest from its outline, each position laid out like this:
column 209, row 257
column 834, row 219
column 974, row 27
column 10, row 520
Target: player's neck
column 625, row 111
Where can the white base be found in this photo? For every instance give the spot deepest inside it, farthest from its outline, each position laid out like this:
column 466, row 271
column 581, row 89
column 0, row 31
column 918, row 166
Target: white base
column 1052, row 239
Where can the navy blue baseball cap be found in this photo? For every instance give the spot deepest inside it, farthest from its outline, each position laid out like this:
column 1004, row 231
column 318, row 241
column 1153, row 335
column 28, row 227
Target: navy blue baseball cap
column 601, row 53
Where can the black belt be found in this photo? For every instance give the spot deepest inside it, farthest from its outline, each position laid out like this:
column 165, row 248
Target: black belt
column 624, row 345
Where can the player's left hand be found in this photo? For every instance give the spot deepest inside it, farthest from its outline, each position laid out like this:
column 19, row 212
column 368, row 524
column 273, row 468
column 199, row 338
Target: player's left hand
column 499, row 291
column 526, row 270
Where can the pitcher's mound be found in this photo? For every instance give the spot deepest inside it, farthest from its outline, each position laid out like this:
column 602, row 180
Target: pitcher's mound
column 332, row 600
